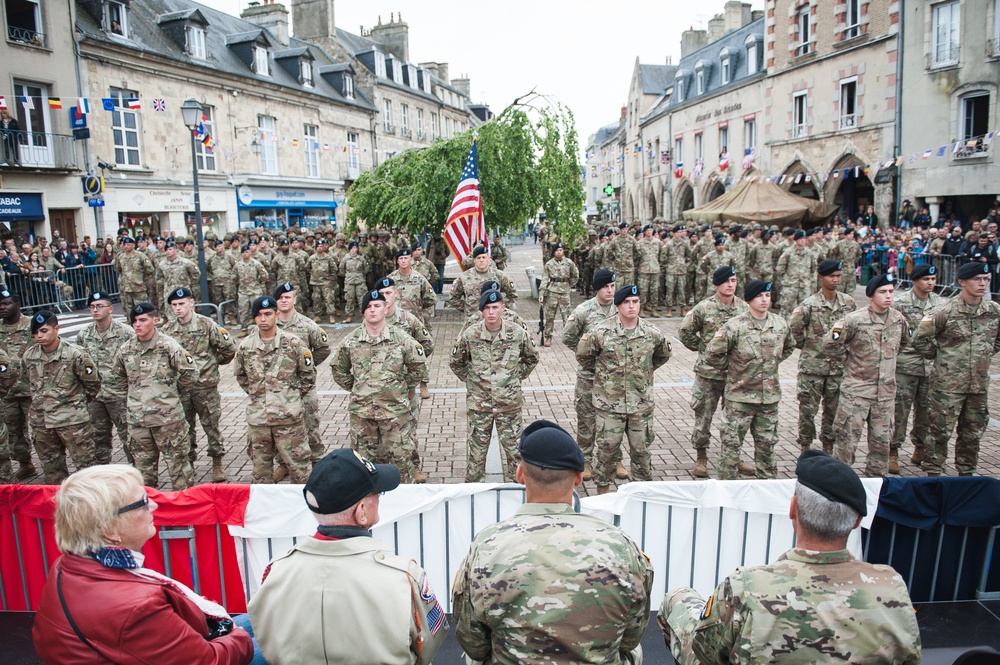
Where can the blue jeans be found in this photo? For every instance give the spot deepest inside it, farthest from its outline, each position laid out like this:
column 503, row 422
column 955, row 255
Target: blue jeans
column 243, row 621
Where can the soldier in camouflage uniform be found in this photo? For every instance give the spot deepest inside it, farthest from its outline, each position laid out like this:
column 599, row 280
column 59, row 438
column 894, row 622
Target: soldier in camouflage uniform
column 623, row 351
column 620, row 255
column 499, row 253
column 594, row 579
column 820, row 369
column 797, row 271
column 697, row 278
column 873, row 338
column 493, row 358
column 221, row 268
column 174, row 272
column 156, row 370
column 815, row 604
column 849, row 251
column 8, row 377
column 251, row 281
column 961, row 336
column 465, row 290
column 648, row 254
column 354, row 267
column 277, row 372
column 748, row 349
column 324, row 268
column 415, row 293
column 211, row 346
column 761, row 258
column 912, row 370
column 697, row 329
column 15, row 338
column 63, row 379
column 381, row 366
column 559, row 276
column 508, row 315
column 587, row 268
column 714, row 260
column 339, row 251
column 674, row 258
column 133, row 269
column 287, row 266
column 101, row 340
column 738, row 248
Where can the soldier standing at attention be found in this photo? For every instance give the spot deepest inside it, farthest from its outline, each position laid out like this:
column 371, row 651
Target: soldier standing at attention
column 559, row 276
column 8, row 377
column 648, row 250
column 156, row 370
column 912, row 369
column 222, row 271
column 354, row 267
column 63, row 380
column 251, row 278
column 15, row 338
column 594, row 579
column 134, row 269
column 797, row 271
column 499, row 253
column 508, row 315
column 465, row 290
column 715, row 260
column 961, row 336
column 493, row 357
column 211, row 346
column 849, row 251
column 761, row 257
column 815, row 604
column 381, row 366
column 276, row 370
column 697, row 330
column 749, row 349
column 619, row 256
column 102, row 339
column 323, row 268
column 414, row 292
column 174, row 272
column 675, row 256
column 424, row 267
column 821, row 369
column 623, row 351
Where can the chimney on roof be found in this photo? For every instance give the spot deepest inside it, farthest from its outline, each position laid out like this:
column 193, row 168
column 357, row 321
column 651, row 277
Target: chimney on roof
column 463, row 85
column 437, row 69
column 756, row 14
column 313, row 19
column 716, row 28
column 624, row 112
column 737, row 14
column 670, row 60
column 274, row 17
column 692, row 40
column 394, row 36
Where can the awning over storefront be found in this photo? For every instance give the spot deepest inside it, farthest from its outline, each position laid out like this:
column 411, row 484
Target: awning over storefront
column 284, row 197
column 15, row 207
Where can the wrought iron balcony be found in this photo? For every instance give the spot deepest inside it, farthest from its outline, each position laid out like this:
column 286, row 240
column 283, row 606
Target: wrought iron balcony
column 38, row 150
column 943, row 56
column 967, row 151
column 25, row 36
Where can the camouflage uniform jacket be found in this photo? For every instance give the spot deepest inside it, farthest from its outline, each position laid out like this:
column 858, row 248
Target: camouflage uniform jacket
column 620, row 254
column 910, row 362
column 849, row 253
column 701, row 324
column 550, row 585
column 810, row 607
column 9, row 374
column 323, row 269
column 15, row 340
column 623, row 362
column 649, row 255
column 221, row 269
column 288, row 268
column 465, row 293
column 133, row 269
column 102, row 347
column 179, row 272
column 508, row 315
column 872, row 346
column 208, row 343
column 715, row 260
column 961, row 339
column 559, row 276
column 415, row 292
column 675, row 255
column 797, row 267
column 596, row 256
column 749, row 351
column 427, row 269
column 493, row 365
column 760, row 260
column 499, row 255
column 810, row 322
column 310, row 333
column 354, row 268
column 276, row 374
column 583, row 319
column 738, row 248
column 251, row 276
column 381, row 372
column 411, row 325
column 155, row 372
column 62, row 384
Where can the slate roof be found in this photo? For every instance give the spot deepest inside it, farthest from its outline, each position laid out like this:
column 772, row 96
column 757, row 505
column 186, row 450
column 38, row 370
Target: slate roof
column 358, row 45
column 734, row 43
column 654, row 79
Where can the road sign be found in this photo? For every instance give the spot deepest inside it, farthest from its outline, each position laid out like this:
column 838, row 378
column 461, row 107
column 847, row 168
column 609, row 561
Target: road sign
column 95, row 202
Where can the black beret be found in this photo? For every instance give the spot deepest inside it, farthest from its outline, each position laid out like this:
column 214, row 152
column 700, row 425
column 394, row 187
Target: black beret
column 799, row 233
column 489, row 285
column 832, row 479
column 755, row 288
column 623, row 225
column 342, row 478
column 170, row 243
column 788, row 232
column 488, row 297
column 880, row 281
column 602, row 278
column 973, row 269
column 648, row 226
column 253, row 243
column 923, row 270
column 478, row 250
column 45, row 317
column 544, row 444
column 282, row 289
column 384, row 283
column 220, row 242
column 625, row 292
column 245, row 248
column 4, row 294
column 353, row 243
column 722, row 275
column 829, row 266
column 140, row 309
column 736, row 229
column 177, row 294
column 322, row 241
column 556, row 246
column 283, row 241
column 370, row 297
column 262, row 302
column 125, row 240
column 720, row 239
column 406, row 251
column 91, row 299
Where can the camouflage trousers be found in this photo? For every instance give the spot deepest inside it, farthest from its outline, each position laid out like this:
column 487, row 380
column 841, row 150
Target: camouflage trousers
column 813, row 391
column 130, row 299
column 206, row 404
column 555, row 302
column 106, row 414
column 649, row 288
column 353, row 293
column 792, row 296
column 610, row 429
column 385, row 442
column 415, row 403
column 679, row 615
column 324, row 298
column 172, row 441
column 6, row 471
column 310, row 417
column 15, row 415
column 480, row 427
column 583, row 401
column 220, row 294
column 624, row 277
column 761, row 420
column 848, row 280
column 971, row 413
column 52, row 443
column 911, row 392
column 245, row 300
column 152, row 293
column 675, row 291
column 705, row 397
column 691, row 282
column 853, row 414
column 701, row 286
column 287, row 443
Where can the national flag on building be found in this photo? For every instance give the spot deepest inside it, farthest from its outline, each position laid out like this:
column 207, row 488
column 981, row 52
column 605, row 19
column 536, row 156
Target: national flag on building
column 55, row 103
column 160, row 105
column 82, row 107
column 3, row 103
column 928, row 153
column 133, row 104
column 941, row 151
column 466, row 224
column 27, row 102
column 108, row 103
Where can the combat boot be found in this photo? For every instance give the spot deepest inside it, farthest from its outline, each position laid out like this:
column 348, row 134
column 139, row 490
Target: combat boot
column 894, row 462
column 684, row 311
column 424, row 392
column 548, row 341
column 746, row 469
column 348, row 320
column 588, row 473
column 27, row 470
column 620, row 472
column 332, row 319
column 280, row 473
column 701, row 464
column 917, row 457
column 603, row 489
column 218, row 473
column 419, row 477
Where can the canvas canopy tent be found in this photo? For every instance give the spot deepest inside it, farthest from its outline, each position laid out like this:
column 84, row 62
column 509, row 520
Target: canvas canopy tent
column 763, row 202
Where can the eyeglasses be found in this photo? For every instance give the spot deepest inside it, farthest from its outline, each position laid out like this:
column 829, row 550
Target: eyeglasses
column 97, row 308
column 141, row 503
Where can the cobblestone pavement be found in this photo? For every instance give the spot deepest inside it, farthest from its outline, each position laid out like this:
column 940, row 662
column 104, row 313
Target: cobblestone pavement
column 548, row 394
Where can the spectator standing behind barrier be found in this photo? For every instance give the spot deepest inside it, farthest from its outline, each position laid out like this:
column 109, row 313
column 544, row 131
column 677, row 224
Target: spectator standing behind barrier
column 961, row 336
column 815, row 604
column 550, row 585
column 341, row 596
column 15, row 338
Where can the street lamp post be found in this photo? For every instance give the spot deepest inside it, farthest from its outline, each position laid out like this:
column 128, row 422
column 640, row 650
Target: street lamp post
column 192, row 112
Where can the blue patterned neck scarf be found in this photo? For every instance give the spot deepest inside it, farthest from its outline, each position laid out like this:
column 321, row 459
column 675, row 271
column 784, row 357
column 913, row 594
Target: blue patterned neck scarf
column 115, row 557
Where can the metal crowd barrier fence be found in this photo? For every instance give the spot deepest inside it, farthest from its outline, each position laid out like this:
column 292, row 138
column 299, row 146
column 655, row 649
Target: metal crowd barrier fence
column 876, row 262
column 63, row 290
column 41, row 289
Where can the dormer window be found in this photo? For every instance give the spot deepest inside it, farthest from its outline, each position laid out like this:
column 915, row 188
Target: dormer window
column 411, row 73
column 680, row 83
column 397, row 71
column 726, row 60
column 117, row 19
column 425, row 80
column 261, row 60
column 751, row 46
column 702, row 70
column 379, row 64
column 306, row 73
column 196, row 42
column 348, row 86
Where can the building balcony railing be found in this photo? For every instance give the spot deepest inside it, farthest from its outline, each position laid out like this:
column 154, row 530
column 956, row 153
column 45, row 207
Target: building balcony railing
column 40, row 150
column 421, row 135
column 25, row 36
column 389, row 129
column 848, row 121
column 799, row 131
column 405, row 132
column 943, row 56
column 979, row 149
column 350, row 170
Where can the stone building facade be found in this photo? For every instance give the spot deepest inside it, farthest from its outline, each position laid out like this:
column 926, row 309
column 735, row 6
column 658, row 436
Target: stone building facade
column 648, row 85
column 603, row 168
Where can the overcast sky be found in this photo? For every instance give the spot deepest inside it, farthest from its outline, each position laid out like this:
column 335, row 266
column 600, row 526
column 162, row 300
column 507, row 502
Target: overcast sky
column 580, row 52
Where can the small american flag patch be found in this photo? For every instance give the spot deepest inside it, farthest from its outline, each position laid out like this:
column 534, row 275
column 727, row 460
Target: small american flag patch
column 435, row 618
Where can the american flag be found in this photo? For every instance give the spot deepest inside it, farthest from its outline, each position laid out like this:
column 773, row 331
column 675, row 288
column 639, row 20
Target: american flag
column 466, row 225
column 159, row 105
